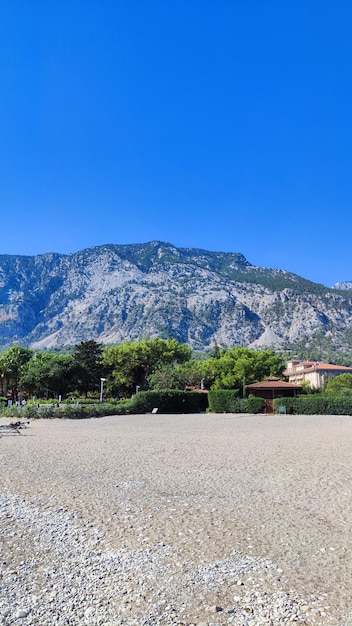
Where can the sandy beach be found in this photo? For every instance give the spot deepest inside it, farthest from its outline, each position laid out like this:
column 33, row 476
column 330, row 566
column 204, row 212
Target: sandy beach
column 178, row 519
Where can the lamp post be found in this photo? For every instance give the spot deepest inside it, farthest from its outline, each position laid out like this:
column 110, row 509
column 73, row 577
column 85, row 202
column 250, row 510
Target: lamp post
column 102, row 381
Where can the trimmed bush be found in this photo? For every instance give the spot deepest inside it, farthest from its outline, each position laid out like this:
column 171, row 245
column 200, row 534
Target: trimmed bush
column 251, row 405
column 288, row 403
column 88, row 401
column 226, row 401
column 223, row 400
column 167, row 401
column 71, row 411
column 316, row 404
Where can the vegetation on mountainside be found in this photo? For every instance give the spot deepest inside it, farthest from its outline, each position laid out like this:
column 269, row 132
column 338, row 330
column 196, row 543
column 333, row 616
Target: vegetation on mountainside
column 233, row 266
column 320, row 347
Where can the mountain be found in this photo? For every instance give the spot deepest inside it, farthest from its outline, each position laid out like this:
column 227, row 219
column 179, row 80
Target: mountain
column 113, row 293
column 344, row 285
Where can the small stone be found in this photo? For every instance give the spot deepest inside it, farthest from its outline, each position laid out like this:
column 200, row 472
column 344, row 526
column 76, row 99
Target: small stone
column 89, row 612
column 22, row 613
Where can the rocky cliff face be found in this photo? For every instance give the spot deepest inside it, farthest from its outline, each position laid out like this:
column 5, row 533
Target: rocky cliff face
column 113, row 293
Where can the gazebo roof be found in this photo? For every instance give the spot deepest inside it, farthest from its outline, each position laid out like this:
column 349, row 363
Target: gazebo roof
column 273, row 383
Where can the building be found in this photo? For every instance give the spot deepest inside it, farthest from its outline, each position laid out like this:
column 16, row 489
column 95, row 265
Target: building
column 315, row 373
column 272, row 388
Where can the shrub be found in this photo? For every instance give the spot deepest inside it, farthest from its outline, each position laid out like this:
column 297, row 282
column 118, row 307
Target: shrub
column 226, row 401
column 317, row 404
column 78, row 411
column 288, row 403
column 11, row 411
column 167, row 401
column 72, row 411
column 223, row 400
column 87, row 401
column 251, row 405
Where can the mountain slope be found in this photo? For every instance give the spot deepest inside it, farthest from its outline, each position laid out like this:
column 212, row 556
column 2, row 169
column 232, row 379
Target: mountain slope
column 116, row 292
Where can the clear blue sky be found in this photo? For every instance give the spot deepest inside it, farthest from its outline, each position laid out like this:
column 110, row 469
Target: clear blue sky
column 224, row 125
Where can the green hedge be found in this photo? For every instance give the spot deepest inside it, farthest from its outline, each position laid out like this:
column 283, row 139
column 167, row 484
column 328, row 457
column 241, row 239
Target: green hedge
column 168, row 401
column 226, row 401
column 73, row 411
column 288, row 403
column 316, row 404
column 91, row 410
column 223, row 400
column 88, row 401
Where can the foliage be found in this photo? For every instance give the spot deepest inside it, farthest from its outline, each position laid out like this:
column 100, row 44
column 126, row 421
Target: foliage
column 231, row 265
column 239, row 366
column 132, row 363
column 154, row 364
column 289, row 404
column 320, row 347
column 87, row 401
column 93, row 410
column 227, row 401
column 193, row 372
column 229, row 369
column 49, row 372
column 72, row 411
column 223, row 400
column 343, row 381
column 317, row 404
column 87, row 356
column 179, row 376
column 12, row 362
column 167, row 401
column 166, row 377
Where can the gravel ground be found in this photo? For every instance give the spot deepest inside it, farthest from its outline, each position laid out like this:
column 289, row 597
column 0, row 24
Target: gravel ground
column 177, row 519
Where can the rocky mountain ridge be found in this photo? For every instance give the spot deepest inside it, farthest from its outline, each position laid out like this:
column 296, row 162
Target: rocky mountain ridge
column 344, row 285
column 114, row 293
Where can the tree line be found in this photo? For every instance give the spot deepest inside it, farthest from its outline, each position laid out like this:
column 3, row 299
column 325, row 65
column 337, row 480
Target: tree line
column 148, row 364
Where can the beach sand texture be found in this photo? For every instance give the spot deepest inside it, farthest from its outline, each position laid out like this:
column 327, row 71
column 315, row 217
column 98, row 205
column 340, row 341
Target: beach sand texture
column 177, row 519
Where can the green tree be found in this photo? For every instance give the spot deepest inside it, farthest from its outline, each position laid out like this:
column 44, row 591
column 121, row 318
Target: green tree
column 12, row 362
column 337, row 383
column 49, row 372
column 196, row 373
column 192, row 373
column 165, row 377
column 231, row 369
column 239, row 366
column 132, row 363
column 89, row 367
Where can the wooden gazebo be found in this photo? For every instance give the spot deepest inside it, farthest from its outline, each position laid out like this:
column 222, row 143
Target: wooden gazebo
column 272, row 388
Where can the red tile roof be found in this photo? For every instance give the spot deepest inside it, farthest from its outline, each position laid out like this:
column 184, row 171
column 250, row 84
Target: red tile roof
column 318, row 367
column 315, row 366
